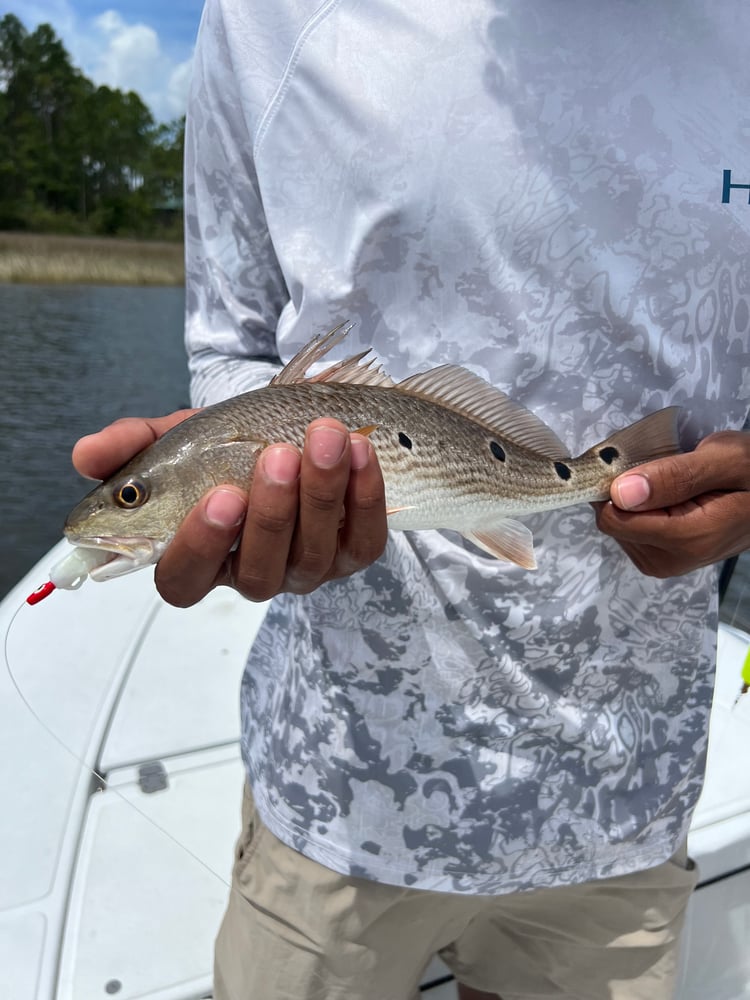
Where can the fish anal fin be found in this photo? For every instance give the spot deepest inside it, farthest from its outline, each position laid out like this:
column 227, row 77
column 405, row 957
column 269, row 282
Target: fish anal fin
column 470, row 395
column 397, row 510
column 507, row 539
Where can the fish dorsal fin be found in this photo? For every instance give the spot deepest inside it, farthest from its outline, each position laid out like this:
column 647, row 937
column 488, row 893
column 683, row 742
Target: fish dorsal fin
column 348, row 371
column 351, row 372
column 466, row 393
column 449, row 385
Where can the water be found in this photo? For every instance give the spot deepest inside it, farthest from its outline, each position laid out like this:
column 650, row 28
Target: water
column 74, row 358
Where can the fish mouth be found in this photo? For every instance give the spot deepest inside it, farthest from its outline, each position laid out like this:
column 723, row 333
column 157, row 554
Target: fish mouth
column 119, row 555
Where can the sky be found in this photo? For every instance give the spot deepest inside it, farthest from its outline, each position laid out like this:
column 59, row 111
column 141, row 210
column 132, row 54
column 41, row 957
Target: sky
column 129, row 44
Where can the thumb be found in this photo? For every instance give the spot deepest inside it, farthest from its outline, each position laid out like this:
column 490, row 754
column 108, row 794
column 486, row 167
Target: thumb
column 720, row 462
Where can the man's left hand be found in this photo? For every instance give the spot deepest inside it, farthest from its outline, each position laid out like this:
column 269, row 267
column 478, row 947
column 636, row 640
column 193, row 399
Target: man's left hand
column 677, row 514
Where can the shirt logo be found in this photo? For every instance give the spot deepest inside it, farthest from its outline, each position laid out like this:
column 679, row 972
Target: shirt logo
column 728, row 187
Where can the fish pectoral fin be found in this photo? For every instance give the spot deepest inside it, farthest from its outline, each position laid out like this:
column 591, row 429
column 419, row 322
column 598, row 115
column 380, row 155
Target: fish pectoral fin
column 509, row 540
column 397, row 510
column 367, row 431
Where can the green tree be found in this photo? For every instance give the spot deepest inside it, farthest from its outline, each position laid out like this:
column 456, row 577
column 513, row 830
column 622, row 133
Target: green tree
column 74, row 155
column 15, row 122
column 121, row 136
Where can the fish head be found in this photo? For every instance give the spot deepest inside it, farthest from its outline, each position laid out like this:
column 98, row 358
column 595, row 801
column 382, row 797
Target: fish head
column 132, row 517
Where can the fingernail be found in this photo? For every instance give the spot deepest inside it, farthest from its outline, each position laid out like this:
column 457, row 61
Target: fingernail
column 225, row 509
column 281, row 465
column 360, row 452
column 325, row 446
column 632, row 491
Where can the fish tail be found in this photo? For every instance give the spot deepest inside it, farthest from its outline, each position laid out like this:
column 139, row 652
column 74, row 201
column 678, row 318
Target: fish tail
column 655, row 436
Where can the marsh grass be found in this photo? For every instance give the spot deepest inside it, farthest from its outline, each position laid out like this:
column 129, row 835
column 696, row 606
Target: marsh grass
column 33, row 258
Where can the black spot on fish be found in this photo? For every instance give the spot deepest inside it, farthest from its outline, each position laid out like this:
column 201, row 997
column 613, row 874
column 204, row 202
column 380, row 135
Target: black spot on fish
column 608, row 455
column 404, row 440
column 498, row 451
column 563, row 471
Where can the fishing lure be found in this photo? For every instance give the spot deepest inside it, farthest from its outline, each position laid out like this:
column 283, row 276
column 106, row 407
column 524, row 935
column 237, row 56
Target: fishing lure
column 67, row 574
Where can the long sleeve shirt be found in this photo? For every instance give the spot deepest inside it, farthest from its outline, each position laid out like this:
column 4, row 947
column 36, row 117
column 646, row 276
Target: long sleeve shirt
column 551, row 195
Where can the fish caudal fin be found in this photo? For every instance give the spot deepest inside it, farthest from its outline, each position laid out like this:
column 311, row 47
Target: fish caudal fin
column 655, row 436
column 507, row 539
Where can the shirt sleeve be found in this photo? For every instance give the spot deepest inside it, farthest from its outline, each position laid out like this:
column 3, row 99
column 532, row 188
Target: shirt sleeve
column 235, row 290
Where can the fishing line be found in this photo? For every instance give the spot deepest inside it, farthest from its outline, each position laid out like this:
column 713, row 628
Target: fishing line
column 87, row 767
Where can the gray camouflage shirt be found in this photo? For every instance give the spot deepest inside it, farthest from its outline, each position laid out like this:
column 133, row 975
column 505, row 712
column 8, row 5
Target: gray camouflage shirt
column 548, row 193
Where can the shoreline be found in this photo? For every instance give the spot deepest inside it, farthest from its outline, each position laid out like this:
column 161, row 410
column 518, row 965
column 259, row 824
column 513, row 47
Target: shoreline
column 47, row 259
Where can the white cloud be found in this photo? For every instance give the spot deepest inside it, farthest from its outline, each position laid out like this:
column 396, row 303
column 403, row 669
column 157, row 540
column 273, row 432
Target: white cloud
column 130, row 57
column 113, row 52
column 178, row 86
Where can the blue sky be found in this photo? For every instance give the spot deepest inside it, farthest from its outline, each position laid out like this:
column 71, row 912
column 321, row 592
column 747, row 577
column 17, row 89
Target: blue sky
column 130, row 44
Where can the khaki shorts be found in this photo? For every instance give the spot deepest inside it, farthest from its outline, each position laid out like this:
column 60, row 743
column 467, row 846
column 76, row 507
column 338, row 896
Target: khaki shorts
column 295, row 930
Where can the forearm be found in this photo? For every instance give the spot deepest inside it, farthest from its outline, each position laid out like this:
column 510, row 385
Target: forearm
column 235, row 289
column 214, row 377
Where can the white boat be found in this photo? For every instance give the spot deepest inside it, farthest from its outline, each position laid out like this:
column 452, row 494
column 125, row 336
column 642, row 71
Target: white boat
column 115, row 887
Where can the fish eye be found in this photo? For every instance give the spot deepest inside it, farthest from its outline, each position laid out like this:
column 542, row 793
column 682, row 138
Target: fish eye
column 130, row 494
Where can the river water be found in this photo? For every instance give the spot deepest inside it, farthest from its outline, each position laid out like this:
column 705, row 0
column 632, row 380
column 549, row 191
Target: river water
column 74, row 358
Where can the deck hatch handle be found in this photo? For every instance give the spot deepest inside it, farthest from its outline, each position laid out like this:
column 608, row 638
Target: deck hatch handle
column 152, row 777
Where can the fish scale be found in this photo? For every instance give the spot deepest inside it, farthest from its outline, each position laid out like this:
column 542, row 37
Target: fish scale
column 456, row 453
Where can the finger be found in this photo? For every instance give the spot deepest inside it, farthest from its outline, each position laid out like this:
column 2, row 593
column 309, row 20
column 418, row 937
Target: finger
column 98, row 455
column 682, row 538
column 259, row 566
column 324, row 477
column 195, row 561
column 665, row 527
column 720, row 462
column 365, row 530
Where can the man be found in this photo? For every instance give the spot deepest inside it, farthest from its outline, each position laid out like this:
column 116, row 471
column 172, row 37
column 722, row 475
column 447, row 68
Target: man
column 447, row 754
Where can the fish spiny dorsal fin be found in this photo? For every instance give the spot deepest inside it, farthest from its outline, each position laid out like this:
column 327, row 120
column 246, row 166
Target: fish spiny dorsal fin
column 351, row 372
column 466, row 393
column 313, row 351
column 348, row 371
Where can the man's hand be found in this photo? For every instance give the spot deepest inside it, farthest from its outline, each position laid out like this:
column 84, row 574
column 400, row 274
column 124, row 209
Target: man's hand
column 308, row 516
column 677, row 514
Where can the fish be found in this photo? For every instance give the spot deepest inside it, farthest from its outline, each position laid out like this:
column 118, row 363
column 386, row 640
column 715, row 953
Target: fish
column 456, row 453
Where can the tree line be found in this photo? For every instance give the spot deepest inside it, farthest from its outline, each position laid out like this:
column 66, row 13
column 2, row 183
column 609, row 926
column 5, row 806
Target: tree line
column 76, row 157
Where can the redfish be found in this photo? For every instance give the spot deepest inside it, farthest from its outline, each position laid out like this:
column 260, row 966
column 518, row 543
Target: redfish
column 456, row 454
